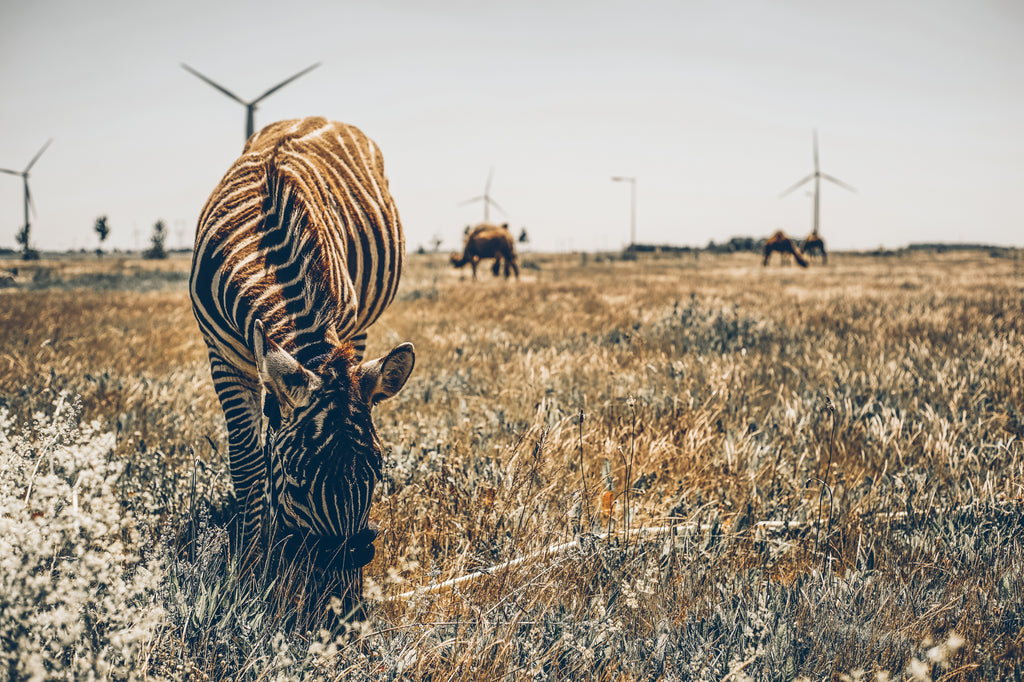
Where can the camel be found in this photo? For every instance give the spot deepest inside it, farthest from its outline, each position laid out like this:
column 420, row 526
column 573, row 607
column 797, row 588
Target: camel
column 489, row 241
column 781, row 243
column 815, row 245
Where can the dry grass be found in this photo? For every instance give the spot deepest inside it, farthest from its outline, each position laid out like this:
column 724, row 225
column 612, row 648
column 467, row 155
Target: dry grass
column 672, row 393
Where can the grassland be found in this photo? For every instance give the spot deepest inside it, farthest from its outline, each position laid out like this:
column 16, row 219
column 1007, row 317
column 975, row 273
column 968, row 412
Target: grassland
column 763, row 473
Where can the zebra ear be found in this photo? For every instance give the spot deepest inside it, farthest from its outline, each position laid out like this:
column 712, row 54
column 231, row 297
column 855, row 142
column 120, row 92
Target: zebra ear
column 384, row 377
column 281, row 374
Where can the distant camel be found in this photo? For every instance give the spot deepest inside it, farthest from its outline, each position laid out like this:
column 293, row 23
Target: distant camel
column 489, row 241
column 815, row 245
column 782, row 244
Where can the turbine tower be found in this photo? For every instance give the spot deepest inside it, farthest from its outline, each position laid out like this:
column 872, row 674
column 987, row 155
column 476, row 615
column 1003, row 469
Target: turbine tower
column 817, row 175
column 250, row 107
column 24, row 234
column 485, row 198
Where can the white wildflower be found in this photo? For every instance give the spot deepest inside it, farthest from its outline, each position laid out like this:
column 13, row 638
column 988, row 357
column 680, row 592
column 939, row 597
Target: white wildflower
column 61, row 555
column 919, row 670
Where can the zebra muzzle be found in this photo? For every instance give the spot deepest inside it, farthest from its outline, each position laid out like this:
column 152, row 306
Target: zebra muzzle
column 360, row 548
column 347, row 554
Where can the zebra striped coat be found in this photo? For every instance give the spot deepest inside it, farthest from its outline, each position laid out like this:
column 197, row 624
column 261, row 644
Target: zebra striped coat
column 298, row 250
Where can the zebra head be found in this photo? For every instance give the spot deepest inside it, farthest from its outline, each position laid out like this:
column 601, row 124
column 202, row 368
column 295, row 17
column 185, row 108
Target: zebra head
column 318, row 437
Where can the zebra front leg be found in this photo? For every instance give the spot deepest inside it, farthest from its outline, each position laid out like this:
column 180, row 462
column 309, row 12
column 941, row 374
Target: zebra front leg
column 249, row 477
column 245, row 456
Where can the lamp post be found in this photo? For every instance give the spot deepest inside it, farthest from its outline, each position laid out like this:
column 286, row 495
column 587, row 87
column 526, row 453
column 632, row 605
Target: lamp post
column 632, row 205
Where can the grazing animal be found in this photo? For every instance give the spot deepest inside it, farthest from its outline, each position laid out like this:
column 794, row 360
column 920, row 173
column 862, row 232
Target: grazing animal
column 815, row 245
column 782, row 244
column 489, row 241
column 298, row 250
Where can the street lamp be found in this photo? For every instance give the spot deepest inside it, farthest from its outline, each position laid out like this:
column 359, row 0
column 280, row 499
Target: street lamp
column 632, row 205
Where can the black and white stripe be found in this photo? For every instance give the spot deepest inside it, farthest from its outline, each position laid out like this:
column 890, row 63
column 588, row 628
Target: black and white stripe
column 299, row 249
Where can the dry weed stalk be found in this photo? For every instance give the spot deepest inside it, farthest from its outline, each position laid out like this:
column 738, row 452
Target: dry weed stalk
column 823, row 480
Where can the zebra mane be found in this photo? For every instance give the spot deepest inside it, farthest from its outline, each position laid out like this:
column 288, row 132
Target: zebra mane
column 335, row 361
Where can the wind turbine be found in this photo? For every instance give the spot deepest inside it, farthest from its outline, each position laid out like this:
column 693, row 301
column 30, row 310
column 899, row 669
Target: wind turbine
column 486, row 198
column 817, row 175
column 250, row 107
column 23, row 235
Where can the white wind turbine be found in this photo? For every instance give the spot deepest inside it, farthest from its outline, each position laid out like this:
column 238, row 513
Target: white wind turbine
column 23, row 235
column 250, row 107
column 817, row 176
column 485, row 198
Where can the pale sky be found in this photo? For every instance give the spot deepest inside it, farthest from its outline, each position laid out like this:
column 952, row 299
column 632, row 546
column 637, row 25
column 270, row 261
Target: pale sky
column 709, row 104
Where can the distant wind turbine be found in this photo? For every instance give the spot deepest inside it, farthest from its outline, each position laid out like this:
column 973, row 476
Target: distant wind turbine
column 817, row 175
column 485, row 198
column 250, row 107
column 23, row 235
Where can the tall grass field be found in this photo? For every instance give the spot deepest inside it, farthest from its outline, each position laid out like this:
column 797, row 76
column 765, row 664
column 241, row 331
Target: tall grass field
column 669, row 468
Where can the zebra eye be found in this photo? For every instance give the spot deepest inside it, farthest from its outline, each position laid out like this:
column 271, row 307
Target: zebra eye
column 272, row 411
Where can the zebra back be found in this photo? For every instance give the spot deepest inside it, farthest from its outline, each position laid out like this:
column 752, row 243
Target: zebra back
column 301, row 233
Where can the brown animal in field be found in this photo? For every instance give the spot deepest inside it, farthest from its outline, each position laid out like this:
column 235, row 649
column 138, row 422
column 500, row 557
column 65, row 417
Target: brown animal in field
column 782, row 244
column 815, row 245
column 489, row 241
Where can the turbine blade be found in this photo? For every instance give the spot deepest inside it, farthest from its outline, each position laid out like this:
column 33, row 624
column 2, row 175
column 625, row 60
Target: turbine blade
column 216, row 85
column 38, row 154
column 809, row 177
column 8, row 170
column 285, row 82
column 496, row 205
column 838, row 182
column 490, row 176
column 470, row 201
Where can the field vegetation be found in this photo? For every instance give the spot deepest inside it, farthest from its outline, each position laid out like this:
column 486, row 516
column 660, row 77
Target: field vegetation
column 669, row 468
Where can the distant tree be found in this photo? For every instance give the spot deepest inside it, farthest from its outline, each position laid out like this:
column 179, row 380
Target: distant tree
column 523, row 237
column 159, row 236
column 27, row 252
column 102, row 229
column 436, row 242
column 744, row 244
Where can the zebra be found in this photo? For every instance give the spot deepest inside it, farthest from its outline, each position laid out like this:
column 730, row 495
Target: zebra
column 815, row 245
column 783, row 244
column 298, row 250
column 488, row 241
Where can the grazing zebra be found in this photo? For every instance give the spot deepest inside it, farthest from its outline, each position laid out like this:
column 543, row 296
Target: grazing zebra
column 782, row 244
column 815, row 245
column 488, row 241
column 298, row 250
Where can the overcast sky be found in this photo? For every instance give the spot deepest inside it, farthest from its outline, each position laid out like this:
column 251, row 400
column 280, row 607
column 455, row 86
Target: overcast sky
column 710, row 105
